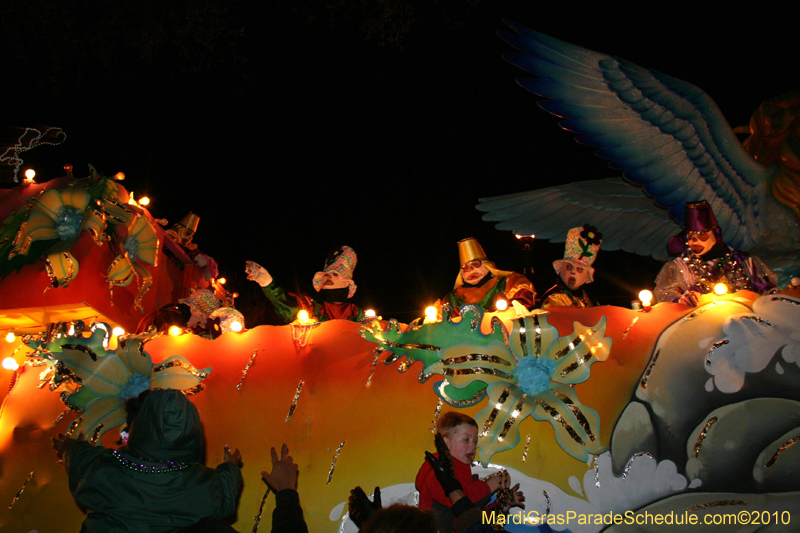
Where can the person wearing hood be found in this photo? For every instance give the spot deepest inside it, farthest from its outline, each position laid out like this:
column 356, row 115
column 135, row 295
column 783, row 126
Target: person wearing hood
column 575, row 270
column 480, row 282
column 334, row 285
column 705, row 261
column 156, row 483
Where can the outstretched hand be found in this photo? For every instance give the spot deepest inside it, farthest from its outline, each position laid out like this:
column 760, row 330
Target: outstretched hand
column 443, row 466
column 360, row 507
column 232, row 456
column 284, row 471
column 61, row 442
column 257, row 273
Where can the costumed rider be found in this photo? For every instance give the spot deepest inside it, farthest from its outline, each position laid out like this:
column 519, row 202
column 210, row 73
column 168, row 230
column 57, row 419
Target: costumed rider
column 575, row 270
column 705, row 261
column 479, row 282
column 334, row 286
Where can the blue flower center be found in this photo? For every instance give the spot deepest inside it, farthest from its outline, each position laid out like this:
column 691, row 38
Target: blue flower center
column 135, row 386
column 132, row 247
column 534, row 373
column 68, row 222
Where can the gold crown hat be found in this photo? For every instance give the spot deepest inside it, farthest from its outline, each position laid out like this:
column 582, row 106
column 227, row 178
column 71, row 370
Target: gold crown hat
column 470, row 249
column 581, row 249
column 184, row 230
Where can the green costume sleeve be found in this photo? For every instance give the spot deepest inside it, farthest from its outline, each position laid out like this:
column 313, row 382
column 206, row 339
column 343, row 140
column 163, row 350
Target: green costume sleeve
column 285, row 306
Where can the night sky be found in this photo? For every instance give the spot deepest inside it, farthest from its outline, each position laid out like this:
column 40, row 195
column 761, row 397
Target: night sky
column 292, row 128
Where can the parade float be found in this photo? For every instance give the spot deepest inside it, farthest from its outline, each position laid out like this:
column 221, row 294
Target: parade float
column 605, row 415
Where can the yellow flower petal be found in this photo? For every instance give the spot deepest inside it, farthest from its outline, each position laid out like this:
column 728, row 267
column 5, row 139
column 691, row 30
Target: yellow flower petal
column 61, row 266
column 120, row 273
column 108, row 411
column 75, row 197
column 49, row 203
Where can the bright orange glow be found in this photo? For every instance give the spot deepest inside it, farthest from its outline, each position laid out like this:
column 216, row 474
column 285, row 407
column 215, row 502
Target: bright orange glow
column 175, row 331
column 144, row 200
column 10, row 363
column 720, row 288
column 10, row 337
column 369, row 313
column 30, row 174
column 646, row 297
column 302, row 315
column 118, row 331
column 119, row 176
column 222, row 281
column 501, row 305
column 236, row 326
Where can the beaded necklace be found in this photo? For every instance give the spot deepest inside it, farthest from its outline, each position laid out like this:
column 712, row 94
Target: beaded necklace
column 730, row 269
column 169, row 466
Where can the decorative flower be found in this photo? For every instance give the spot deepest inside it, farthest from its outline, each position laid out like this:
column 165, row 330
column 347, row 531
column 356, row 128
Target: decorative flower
column 527, row 373
column 105, row 379
column 591, row 235
column 141, row 245
column 60, row 216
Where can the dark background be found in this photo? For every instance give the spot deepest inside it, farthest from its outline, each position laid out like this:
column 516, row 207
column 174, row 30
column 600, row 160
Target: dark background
column 294, row 127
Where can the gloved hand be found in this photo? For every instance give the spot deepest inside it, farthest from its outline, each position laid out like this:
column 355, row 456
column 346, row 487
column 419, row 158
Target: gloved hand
column 359, row 506
column 443, row 466
column 257, row 273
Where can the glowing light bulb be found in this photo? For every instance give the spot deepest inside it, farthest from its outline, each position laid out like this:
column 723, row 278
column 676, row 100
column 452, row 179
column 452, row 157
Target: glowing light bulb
column 302, row 315
column 720, row 288
column 10, row 337
column 118, row 331
column 119, row 176
column 175, row 331
column 369, row 313
column 144, row 200
column 222, row 281
column 29, row 175
column 646, row 297
column 10, row 363
column 501, row 305
column 236, row 326
column 430, row 312
column 71, row 331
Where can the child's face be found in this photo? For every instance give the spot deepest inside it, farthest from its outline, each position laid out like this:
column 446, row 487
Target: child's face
column 462, row 442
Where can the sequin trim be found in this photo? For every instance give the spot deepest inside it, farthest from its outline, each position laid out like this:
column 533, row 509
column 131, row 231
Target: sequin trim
column 578, row 414
column 718, row 503
column 643, row 382
column 168, row 466
column 789, row 443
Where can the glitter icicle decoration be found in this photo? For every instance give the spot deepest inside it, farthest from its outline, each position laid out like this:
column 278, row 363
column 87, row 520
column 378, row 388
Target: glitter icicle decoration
column 246, row 369
column 294, row 400
column 333, row 463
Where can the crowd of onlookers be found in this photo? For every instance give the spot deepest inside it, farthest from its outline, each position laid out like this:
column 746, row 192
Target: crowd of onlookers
column 156, row 482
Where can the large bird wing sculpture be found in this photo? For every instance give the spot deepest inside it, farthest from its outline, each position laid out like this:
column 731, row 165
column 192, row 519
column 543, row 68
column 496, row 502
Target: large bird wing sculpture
column 667, row 136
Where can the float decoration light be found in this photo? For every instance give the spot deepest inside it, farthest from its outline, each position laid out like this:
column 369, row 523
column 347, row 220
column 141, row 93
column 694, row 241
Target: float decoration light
column 29, row 175
column 118, row 331
column 369, row 313
column 647, row 299
column 501, row 304
column 720, row 289
column 9, row 363
column 144, row 201
column 175, row 331
column 10, row 337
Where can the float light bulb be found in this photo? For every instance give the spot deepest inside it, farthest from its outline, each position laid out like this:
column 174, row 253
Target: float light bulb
column 175, row 331
column 369, row 313
column 10, row 363
column 71, row 331
column 430, row 312
column 720, row 288
column 501, row 305
column 222, row 281
column 119, row 176
column 118, row 331
column 646, row 297
column 236, row 326
column 144, row 200
column 302, row 315
column 30, row 174
column 10, row 337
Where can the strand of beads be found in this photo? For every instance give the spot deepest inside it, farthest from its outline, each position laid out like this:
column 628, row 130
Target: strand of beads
column 170, row 466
